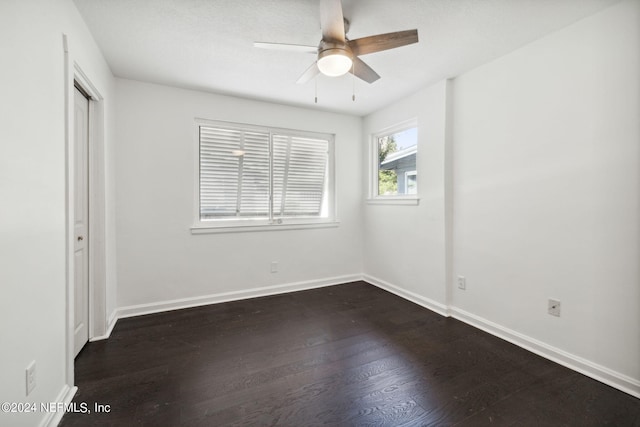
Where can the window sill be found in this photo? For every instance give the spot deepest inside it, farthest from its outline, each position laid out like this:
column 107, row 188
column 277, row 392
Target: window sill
column 212, row 229
column 411, row 201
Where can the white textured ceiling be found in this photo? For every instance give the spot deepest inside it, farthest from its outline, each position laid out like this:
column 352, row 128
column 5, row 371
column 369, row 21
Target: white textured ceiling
column 208, row 44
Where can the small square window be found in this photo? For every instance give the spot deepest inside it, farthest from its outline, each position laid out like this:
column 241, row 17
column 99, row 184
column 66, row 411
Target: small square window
column 395, row 169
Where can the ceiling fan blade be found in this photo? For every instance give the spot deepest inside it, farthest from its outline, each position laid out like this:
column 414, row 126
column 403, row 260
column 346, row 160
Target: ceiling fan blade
column 286, row 46
column 332, row 20
column 309, row 74
column 363, row 71
column 382, row 42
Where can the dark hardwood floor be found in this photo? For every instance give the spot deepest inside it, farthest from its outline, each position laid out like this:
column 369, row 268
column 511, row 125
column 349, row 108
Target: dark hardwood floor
column 347, row 355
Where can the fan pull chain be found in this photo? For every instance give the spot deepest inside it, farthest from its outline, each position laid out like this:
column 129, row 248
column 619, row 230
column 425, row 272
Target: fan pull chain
column 353, row 74
column 316, row 83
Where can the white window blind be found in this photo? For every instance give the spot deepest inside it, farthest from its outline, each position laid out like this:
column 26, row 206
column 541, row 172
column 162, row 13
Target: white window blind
column 234, row 173
column 299, row 168
column 254, row 173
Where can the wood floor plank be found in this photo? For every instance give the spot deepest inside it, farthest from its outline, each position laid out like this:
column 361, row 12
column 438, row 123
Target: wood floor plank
column 346, row 355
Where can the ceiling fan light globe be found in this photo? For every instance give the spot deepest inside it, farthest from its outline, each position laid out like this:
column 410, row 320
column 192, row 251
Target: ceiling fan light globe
column 334, row 62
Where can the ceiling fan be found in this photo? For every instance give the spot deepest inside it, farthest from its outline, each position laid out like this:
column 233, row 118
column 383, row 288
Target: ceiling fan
column 338, row 55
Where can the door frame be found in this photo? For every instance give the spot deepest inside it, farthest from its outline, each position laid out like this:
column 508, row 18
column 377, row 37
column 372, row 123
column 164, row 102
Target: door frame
column 97, row 203
column 82, row 222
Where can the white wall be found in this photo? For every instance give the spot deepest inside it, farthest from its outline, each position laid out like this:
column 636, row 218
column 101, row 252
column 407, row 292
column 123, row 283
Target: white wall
column 158, row 257
column 546, row 197
column 32, row 190
column 530, row 188
column 546, row 200
column 404, row 246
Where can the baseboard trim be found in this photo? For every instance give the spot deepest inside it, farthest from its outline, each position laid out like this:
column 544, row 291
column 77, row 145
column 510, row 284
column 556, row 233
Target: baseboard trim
column 52, row 419
column 600, row 373
column 177, row 304
column 408, row 295
column 112, row 323
column 593, row 370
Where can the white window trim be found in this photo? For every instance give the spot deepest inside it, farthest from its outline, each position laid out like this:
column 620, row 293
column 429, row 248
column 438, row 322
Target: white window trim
column 268, row 227
column 245, row 225
column 373, row 197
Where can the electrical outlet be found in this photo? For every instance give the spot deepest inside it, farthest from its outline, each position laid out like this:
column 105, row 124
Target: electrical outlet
column 31, row 377
column 554, row 307
column 274, row 266
column 462, row 282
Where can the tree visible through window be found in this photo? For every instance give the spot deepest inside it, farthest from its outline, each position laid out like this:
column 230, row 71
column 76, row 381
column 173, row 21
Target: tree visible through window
column 387, row 179
column 396, row 167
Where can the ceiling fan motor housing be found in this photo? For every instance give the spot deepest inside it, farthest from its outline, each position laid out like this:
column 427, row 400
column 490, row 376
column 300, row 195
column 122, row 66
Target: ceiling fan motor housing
column 334, row 58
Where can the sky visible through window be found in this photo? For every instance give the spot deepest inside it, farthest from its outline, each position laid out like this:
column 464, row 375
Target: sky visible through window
column 406, row 138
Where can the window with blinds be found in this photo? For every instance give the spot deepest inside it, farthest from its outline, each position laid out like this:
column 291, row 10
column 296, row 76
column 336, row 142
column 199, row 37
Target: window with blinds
column 255, row 173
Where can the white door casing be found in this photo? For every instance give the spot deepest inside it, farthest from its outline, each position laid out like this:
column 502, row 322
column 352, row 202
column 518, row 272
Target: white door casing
column 81, row 221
